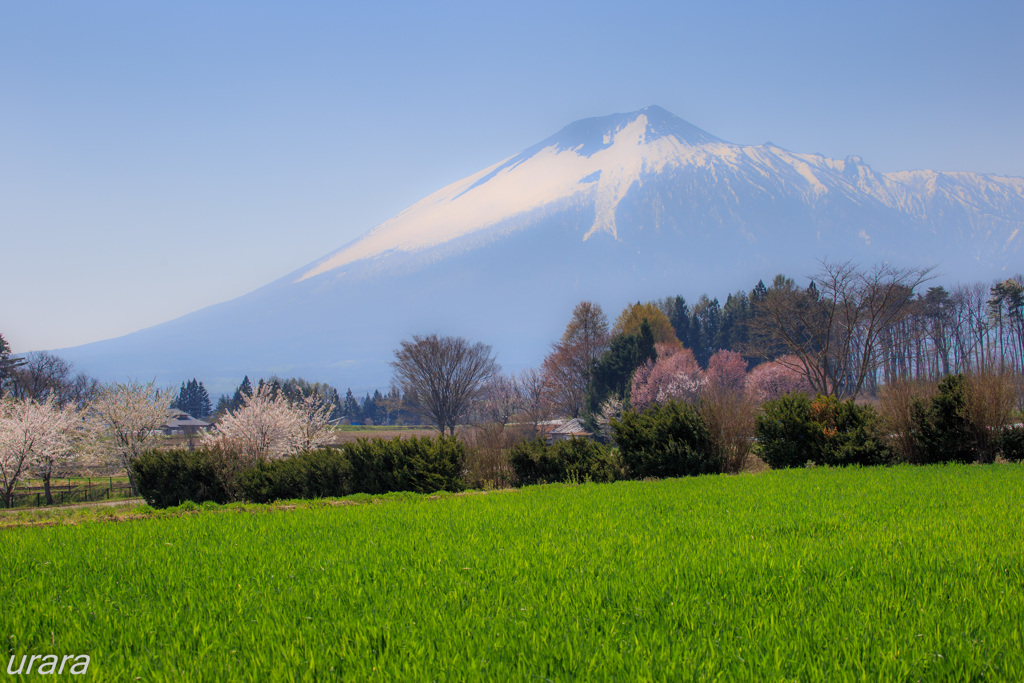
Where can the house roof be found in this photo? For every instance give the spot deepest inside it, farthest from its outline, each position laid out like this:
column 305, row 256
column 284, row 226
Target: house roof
column 183, row 420
column 573, row 426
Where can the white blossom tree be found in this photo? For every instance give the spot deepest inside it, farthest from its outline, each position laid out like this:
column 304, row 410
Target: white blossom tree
column 127, row 418
column 314, row 422
column 267, row 426
column 68, row 438
column 36, row 436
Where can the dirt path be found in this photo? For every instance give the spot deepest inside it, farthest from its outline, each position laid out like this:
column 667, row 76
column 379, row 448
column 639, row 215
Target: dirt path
column 96, row 504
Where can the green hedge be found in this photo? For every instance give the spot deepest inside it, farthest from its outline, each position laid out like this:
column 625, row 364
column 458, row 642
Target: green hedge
column 1012, row 444
column 168, row 478
column 794, row 430
column 576, row 459
column 322, row 473
column 422, row 464
column 669, row 440
column 425, row 465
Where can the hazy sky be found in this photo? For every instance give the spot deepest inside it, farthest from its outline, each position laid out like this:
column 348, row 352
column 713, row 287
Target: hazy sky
column 156, row 158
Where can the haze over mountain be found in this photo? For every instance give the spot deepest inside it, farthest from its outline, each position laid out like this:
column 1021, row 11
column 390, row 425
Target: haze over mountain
column 613, row 209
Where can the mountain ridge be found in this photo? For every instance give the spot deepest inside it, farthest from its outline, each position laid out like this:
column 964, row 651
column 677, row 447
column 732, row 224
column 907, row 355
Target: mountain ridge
column 612, row 209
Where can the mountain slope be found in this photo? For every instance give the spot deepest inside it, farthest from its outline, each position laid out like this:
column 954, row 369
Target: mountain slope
column 614, row 209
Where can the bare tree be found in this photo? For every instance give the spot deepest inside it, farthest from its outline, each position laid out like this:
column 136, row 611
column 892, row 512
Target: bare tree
column 44, row 375
column 501, row 398
column 833, row 328
column 445, row 373
column 8, row 365
column 567, row 368
column 536, row 397
column 128, row 416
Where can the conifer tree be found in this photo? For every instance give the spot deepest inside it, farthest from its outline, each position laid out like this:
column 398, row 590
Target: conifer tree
column 244, row 389
column 350, row 408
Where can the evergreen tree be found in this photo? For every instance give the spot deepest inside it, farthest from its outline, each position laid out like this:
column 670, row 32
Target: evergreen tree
column 8, row 365
column 223, row 405
column 678, row 314
column 350, row 409
column 203, row 406
column 244, row 389
column 707, row 319
column 179, row 401
column 733, row 334
column 614, row 370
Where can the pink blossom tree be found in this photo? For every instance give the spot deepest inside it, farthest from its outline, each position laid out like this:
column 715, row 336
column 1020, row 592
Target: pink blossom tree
column 727, row 370
column 781, row 376
column 674, row 375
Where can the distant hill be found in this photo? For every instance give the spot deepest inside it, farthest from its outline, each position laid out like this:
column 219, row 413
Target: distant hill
column 613, row 209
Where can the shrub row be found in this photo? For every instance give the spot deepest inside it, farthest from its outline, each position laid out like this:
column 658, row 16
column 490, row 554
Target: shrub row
column 576, row 460
column 669, row 440
column 374, row 466
column 795, row 430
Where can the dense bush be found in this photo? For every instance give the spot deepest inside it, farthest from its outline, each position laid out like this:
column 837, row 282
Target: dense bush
column 576, row 459
column 422, row 464
column 668, row 440
column 795, row 429
column 1012, row 444
column 322, row 473
column 168, row 478
column 370, row 466
column 942, row 431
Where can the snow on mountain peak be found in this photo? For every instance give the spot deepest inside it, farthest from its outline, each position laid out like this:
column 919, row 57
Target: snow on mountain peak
column 595, row 163
column 597, row 159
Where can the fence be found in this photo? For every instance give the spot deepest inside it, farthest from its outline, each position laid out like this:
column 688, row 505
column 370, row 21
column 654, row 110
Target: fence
column 71, row 491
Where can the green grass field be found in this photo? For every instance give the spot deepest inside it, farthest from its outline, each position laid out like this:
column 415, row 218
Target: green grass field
column 870, row 574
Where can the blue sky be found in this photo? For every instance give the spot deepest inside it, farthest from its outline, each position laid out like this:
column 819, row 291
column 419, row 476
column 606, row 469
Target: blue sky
column 156, row 158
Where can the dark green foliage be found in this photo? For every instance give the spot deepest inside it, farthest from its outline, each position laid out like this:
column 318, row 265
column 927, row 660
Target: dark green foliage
column 667, row 440
column 193, row 399
column 167, row 478
column 705, row 329
column 794, row 430
column 575, row 459
column 1011, row 444
column 786, row 437
column 942, row 431
column 614, row 370
column 678, row 314
column 369, row 466
column 8, row 364
column 323, row 473
column 422, row 464
column 244, row 389
column 733, row 334
column 350, row 409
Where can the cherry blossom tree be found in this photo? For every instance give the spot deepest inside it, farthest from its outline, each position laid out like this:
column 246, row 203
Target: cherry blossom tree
column 314, row 422
column 128, row 417
column 268, row 425
column 264, row 427
column 675, row 374
column 37, row 436
column 727, row 370
column 782, row 376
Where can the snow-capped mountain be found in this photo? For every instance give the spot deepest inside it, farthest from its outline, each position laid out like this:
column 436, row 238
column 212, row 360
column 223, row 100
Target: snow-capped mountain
column 613, row 209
